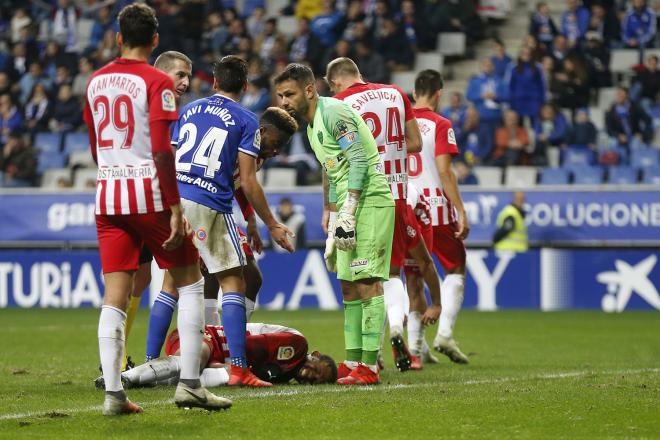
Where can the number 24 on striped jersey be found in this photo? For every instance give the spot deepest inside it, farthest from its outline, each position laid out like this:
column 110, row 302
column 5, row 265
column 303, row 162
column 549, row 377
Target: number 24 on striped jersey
column 207, row 151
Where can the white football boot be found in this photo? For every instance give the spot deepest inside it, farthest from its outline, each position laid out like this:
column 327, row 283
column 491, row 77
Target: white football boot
column 186, row 397
column 448, row 347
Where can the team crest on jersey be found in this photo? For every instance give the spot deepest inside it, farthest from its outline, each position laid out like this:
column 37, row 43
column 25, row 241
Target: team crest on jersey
column 169, row 103
column 285, row 353
column 411, row 231
column 341, row 127
column 201, row 234
column 320, row 136
column 451, row 137
column 257, row 140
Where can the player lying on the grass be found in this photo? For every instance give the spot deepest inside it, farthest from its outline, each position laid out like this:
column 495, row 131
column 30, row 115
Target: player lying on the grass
column 275, row 354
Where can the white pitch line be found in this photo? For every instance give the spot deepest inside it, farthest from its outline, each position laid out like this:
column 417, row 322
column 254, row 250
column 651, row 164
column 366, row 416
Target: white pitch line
column 326, row 389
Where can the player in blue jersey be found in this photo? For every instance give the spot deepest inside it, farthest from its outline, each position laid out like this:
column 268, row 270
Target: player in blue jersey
column 214, row 134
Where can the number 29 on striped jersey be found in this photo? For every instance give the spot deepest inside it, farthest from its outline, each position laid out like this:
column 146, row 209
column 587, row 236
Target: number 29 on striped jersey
column 206, row 152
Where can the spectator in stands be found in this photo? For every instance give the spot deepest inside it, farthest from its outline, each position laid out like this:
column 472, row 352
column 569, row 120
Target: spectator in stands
column 548, row 65
column 527, row 87
column 455, row 112
column 511, row 141
column 459, row 16
column 306, row 47
column 292, row 219
column 5, row 84
column 249, row 6
column 19, row 62
column 104, row 21
column 646, row 84
column 550, row 130
column 305, row 8
column 464, row 174
column 256, row 98
column 560, row 50
column 85, row 70
column 542, row 26
column 354, row 17
column 597, row 57
column 583, row 133
column 236, row 32
column 416, row 26
column 536, row 50
column 639, row 26
column 627, row 122
column 394, row 47
column 326, row 25
column 342, row 49
column 11, row 119
column 28, row 81
column 266, row 41
column 38, row 110
column 107, row 50
column 376, row 18
column 474, row 139
column 501, row 61
column 216, row 33
column 67, row 114
column 63, row 183
column 18, row 162
column 371, row 64
column 51, row 58
column 574, row 22
column 487, row 92
column 65, row 20
column 18, row 21
column 605, row 23
column 572, row 84
column 256, row 21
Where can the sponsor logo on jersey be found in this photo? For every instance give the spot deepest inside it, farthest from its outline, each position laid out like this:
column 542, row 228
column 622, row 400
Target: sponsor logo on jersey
column 330, row 163
column 341, row 127
column 411, row 231
column 169, row 103
column 451, row 137
column 320, row 136
column 257, row 139
column 285, row 353
column 201, row 234
column 359, row 263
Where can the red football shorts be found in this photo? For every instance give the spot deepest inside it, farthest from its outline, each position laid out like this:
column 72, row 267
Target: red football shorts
column 121, row 238
column 449, row 249
column 410, row 266
column 406, row 232
column 244, row 242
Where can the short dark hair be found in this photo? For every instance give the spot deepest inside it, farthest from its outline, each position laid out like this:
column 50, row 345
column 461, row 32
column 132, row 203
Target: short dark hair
column 279, row 119
column 428, row 82
column 333, row 366
column 165, row 60
column 230, row 73
column 137, row 25
column 299, row 73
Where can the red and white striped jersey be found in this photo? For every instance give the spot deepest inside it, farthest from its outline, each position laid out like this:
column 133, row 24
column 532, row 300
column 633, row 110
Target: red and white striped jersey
column 123, row 97
column 385, row 109
column 437, row 138
column 419, row 205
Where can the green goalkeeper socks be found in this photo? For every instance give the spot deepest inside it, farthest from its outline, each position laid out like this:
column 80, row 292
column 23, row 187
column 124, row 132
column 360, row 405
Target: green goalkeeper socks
column 373, row 318
column 353, row 330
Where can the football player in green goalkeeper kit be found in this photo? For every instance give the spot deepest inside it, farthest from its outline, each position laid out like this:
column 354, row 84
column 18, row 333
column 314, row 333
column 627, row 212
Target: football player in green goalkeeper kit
column 359, row 242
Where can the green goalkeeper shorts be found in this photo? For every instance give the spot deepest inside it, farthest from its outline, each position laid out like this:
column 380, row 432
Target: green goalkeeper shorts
column 371, row 256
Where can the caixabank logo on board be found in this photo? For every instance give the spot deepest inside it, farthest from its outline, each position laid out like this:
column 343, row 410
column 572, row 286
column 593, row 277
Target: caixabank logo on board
column 628, row 280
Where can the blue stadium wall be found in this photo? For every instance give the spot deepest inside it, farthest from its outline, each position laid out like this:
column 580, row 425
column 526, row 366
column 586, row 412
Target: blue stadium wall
column 592, row 249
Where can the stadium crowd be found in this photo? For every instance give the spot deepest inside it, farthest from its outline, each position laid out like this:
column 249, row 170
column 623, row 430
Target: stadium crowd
column 513, row 112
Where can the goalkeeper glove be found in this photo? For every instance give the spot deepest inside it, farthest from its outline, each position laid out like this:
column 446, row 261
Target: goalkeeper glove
column 345, row 237
column 330, row 254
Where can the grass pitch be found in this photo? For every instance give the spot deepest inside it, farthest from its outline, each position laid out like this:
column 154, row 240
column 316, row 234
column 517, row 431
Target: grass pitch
column 532, row 375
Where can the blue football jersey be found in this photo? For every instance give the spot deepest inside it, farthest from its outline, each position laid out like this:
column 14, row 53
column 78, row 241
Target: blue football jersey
column 209, row 134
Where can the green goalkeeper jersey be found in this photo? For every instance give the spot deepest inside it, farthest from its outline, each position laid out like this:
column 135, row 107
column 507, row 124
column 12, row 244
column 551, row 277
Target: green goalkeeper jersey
column 336, row 127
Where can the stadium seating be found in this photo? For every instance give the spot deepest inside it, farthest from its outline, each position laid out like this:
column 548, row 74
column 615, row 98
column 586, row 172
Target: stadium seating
column 606, row 97
column 84, row 28
column 429, row 60
column 645, row 157
column 280, row 178
column 488, row 177
column 50, row 177
column 287, row 26
column 520, row 176
column 405, row 80
column 76, row 142
column 451, row 43
column 622, row 175
column 82, row 159
column 83, row 176
column 577, row 156
column 623, row 59
column 48, row 142
column 652, row 175
column 587, row 175
column 50, row 159
column 554, row 176
column 553, row 155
